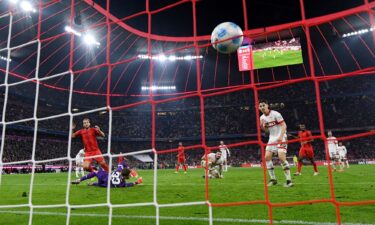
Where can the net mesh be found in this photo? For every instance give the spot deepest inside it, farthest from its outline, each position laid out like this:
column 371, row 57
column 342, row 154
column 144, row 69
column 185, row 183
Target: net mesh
column 54, row 62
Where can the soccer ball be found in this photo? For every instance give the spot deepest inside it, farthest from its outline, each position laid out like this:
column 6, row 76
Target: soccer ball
column 226, row 31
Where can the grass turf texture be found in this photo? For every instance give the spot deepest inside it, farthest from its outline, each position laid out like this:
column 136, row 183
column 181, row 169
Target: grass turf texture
column 239, row 185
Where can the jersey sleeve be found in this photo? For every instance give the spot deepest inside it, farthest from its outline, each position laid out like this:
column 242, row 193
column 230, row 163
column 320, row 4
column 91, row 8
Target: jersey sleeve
column 78, row 133
column 278, row 117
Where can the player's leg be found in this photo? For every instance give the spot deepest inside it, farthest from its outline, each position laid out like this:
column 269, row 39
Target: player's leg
column 82, row 171
column 269, row 164
column 333, row 160
column 310, row 155
column 301, row 155
column 77, row 169
column 347, row 162
column 286, row 167
column 87, row 165
column 314, row 166
column 177, row 166
column 341, row 163
column 100, row 159
column 185, row 166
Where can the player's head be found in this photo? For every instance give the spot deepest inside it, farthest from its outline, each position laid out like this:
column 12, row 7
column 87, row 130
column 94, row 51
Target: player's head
column 221, row 142
column 218, row 155
column 86, row 123
column 302, row 126
column 264, row 106
column 179, row 143
column 340, row 143
column 329, row 133
column 125, row 173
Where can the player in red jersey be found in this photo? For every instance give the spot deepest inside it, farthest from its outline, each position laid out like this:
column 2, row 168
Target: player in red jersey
column 181, row 158
column 88, row 135
column 120, row 158
column 306, row 150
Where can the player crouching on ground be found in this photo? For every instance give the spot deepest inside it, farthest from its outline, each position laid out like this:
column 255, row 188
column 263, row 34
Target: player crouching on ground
column 117, row 177
column 215, row 165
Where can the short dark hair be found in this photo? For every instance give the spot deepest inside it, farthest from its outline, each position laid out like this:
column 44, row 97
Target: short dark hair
column 125, row 172
column 263, row 101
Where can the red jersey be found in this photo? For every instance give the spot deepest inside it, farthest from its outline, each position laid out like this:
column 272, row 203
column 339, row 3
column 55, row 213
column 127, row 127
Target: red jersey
column 120, row 159
column 304, row 135
column 181, row 152
column 89, row 139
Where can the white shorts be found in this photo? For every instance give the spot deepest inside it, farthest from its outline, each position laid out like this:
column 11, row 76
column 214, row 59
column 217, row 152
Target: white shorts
column 79, row 163
column 276, row 148
column 342, row 156
column 333, row 155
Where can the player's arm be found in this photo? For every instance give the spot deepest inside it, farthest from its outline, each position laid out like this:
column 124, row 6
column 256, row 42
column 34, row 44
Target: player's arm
column 282, row 132
column 74, row 134
column 292, row 136
column 263, row 126
column 308, row 138
column 99, row 131
column 227, row 149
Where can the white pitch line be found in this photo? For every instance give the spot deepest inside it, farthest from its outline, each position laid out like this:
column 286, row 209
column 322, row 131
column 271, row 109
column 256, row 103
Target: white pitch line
column 229, row 220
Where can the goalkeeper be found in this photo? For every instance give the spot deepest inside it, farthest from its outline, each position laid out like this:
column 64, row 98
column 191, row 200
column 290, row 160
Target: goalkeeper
column 117, row 178
column 215, row 165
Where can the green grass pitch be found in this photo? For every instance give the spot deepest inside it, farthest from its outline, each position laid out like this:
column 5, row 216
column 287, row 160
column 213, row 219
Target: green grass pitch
column 239, row 184
column 267, row 59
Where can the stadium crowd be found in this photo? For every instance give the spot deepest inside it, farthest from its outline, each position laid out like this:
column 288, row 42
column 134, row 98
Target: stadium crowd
column 230, row 117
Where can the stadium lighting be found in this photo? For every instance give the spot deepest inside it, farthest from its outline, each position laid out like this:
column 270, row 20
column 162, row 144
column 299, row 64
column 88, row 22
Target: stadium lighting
column 157, row 88
column 75, row 110
column 90, row 40
column 5, row 58
column 358, row 32
column 71, row 30
column 171, row 58
column 13, row 1
column 27, row 7
column 162, row 58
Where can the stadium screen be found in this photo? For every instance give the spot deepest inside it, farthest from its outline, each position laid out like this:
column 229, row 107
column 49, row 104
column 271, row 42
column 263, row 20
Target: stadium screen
column 277, row 53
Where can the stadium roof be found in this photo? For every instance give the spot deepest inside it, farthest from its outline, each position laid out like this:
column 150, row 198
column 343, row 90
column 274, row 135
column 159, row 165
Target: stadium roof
column 128, row 39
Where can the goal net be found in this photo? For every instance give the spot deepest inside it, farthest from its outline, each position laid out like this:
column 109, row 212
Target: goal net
column 148, row 89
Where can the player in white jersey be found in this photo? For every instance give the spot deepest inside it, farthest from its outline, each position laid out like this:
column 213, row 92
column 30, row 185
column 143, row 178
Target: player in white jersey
column 271, row 121
column 342, row 154
column 225, row 153
column 215, row 165
column 332, row 149
column 79, row 163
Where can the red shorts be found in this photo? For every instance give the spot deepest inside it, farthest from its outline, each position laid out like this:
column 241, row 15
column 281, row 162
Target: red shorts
column 306, row 152
column 97, row 153
column 181, row 160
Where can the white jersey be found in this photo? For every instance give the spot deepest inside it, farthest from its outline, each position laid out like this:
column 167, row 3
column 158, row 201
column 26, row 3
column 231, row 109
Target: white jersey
column 224, row 150
column 332, row 144
column 213, row 160
column 80, row 157
column 342, row 151
column 272, row 122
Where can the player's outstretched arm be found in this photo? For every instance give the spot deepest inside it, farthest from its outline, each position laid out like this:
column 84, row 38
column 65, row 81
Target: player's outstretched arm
column 99, row 131
column 73, row 127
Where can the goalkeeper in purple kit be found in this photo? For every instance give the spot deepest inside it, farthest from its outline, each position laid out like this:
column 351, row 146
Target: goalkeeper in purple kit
column 117, row 177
